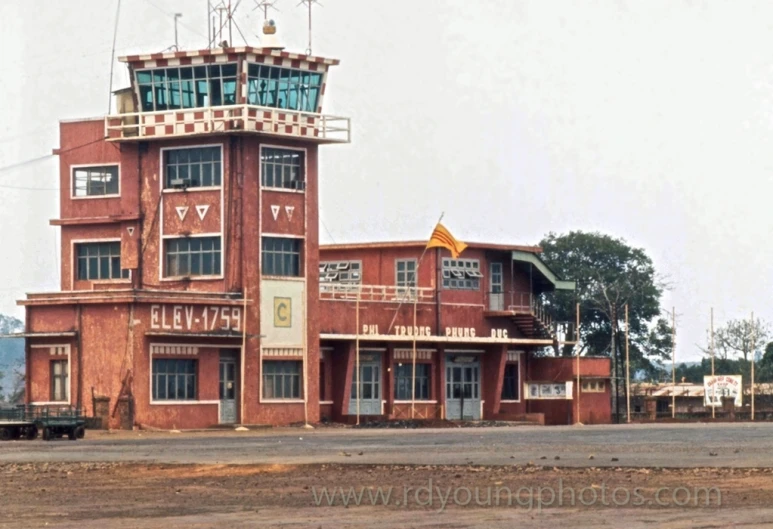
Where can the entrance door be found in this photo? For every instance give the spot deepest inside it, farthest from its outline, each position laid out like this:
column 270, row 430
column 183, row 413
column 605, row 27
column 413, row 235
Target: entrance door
column 496, row 287
column 227, row 391
column 370, row 386
column 462, row 388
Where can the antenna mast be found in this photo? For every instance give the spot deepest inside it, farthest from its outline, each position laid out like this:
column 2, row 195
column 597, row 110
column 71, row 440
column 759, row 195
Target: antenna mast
column 309, row 3
column 265, row 5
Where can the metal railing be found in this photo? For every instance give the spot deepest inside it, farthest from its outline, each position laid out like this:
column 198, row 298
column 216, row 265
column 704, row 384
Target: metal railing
column 231, row 118
column 388, row 293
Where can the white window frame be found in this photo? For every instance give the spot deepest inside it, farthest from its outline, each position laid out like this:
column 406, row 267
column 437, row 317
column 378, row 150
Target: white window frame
column 305, row 152
column 74, row 265
column 93, row 197
column 162, row 259
column 66, row 348
column 162, row 170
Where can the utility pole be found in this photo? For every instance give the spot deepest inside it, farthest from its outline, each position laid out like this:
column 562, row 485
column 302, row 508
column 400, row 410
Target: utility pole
column 617, row 364
column 673, row 362
column 176, row 43
column 753, row 340
column 713, row 381
column 627, row 371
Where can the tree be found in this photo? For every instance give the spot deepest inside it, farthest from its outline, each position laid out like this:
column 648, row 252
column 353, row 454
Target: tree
column 609, row 274
column 16, row 396
column 737, row 339
column 765, row 365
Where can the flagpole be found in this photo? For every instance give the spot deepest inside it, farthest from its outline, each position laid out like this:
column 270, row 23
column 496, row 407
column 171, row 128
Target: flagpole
column 415, row 316
column 408, row 290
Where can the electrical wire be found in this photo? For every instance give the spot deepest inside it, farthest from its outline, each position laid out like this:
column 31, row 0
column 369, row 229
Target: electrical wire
column 167, row 13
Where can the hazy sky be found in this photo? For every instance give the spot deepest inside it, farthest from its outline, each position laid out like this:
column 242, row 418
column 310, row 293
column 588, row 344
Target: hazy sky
column 648, row 120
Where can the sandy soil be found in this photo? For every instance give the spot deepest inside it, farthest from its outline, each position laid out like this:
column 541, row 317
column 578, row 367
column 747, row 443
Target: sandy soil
column 88, row 495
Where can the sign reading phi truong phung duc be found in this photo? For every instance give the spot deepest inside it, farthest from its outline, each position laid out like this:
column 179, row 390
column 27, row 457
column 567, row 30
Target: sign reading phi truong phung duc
column 719, row 386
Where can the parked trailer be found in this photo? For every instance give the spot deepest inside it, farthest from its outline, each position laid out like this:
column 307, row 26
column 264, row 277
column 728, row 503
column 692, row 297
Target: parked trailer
column 27, row 421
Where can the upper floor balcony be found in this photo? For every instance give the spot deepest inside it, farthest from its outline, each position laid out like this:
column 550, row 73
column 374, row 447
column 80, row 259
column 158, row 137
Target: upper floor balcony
column 262, row 91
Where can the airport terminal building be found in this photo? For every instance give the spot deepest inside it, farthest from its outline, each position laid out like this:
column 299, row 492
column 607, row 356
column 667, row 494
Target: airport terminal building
column 194, row 291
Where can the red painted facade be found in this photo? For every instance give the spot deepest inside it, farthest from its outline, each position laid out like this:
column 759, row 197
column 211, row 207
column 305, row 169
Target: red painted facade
column 252, row 342
column 498, row 332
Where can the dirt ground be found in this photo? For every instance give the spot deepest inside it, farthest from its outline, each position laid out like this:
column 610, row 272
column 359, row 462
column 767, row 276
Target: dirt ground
column 88, row 495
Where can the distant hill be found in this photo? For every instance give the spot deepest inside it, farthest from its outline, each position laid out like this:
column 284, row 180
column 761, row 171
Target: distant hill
column 11, row 350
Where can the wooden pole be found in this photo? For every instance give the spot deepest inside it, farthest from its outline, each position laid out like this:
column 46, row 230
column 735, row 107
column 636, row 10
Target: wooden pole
column 627, row 371
column 713, row 382
column 357, row 350
column 577, row 340
column 673, row 362
column 305, row 367
column 754, row 339
column 243, row 355
column 415, row 310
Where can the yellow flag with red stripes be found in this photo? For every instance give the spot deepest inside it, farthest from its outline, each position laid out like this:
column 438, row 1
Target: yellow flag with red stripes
column 442, row 238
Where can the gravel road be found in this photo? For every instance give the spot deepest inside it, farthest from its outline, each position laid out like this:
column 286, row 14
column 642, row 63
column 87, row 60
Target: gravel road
column 675, row 445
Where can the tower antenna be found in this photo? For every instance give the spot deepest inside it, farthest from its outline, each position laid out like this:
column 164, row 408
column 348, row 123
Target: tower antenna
column 309, row 3
column 265, row 5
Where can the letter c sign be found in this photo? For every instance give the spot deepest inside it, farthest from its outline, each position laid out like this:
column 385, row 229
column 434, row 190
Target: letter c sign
column 283, row 312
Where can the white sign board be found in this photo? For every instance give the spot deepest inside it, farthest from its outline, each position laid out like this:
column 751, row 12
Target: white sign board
column 282, row 318
column 719, row 386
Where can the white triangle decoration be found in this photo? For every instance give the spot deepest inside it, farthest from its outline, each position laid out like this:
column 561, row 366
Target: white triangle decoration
column 181, row 212
column 275, row 211
column 202, row 211
column 130, row 229
column 289, row 210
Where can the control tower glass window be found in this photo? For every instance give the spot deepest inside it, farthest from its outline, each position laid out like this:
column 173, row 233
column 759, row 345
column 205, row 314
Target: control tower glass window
column 275, row 87
column 187, row 87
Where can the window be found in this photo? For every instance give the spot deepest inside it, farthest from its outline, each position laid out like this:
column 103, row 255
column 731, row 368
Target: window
column 272, row 86
column 281, row 379
column 60, row 381
column 349, row 272
column 461, row 274
column 282, row 168
column 187, row 87
column 593, row 386
column 547, row 390
column 194, row 167
column 192, row 256
column 97, row 180
column 281, row 257
column 510, row 387
column 99, row 261
column 403, row 376
column 174, row 379
column 406, row 272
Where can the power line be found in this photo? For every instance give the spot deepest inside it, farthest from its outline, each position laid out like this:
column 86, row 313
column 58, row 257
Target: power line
column 45, row 156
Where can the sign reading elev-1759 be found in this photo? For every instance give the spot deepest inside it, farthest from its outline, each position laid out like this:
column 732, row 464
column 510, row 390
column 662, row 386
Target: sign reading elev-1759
column 195, row 318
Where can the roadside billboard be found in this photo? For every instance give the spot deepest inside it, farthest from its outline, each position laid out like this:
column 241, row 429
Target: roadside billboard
column 719, row 386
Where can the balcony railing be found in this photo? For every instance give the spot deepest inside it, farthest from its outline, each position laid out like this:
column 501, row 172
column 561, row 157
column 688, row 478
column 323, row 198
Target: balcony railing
column 320, row 128
column 394, row 294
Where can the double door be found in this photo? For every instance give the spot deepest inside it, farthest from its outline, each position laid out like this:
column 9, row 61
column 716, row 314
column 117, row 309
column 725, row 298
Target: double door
column 462, row 389
column 370, row 386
